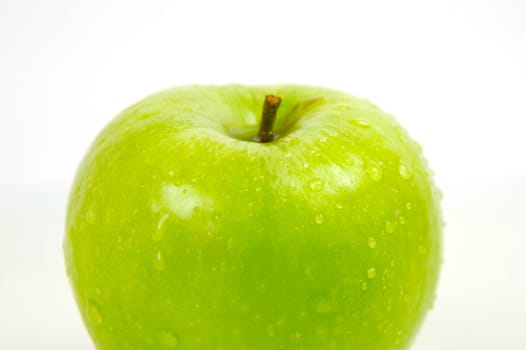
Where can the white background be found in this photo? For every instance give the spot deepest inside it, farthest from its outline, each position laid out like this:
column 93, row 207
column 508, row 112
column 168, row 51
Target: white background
column 453, row 72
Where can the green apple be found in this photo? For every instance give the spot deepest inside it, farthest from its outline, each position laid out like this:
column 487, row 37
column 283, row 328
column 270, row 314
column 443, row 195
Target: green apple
column 194, row 225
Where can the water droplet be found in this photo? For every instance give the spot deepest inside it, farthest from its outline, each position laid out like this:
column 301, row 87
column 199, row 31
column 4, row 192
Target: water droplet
column 297, row 335
column 316, row 185
column 343, row 107
column 322, row 305
column 389, row 227
column 90, row 215
column 158, row 234
column 401, row 220
column 404, row 171
column 306, row 165
column 94, row 314
column 371, row 242
column 319, row 219
column 373, row 171
column 371, row 273
column 389, row 305
column 158, row 261
column 145, row 116
column 270, row 330
column 408, row 206
column 339, row 205
column 171, row 173
column 401, row 134
column 360, row 123
column 170, row 339
column 364, row 285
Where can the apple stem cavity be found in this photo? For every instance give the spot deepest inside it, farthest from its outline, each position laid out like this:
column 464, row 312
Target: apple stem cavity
column 268, row 117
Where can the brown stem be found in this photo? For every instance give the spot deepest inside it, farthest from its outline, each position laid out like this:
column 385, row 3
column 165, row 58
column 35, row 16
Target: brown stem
column 268, row 117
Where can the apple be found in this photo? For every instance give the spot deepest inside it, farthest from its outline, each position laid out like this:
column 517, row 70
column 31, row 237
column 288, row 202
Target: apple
column 192, row 224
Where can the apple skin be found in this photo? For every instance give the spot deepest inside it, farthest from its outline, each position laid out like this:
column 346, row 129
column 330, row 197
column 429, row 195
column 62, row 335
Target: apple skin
column 181, row 233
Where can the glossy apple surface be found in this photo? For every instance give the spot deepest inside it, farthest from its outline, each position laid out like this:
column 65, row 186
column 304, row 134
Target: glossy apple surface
column 184, row 233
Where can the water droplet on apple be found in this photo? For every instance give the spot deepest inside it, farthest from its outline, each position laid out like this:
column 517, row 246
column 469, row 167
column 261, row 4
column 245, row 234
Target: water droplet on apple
column 401, row 135
column 322, row 305
column 401, row 220
column 316, row 185
column 408, row 206
column 297, row 335
column 158, row 261
column 343, row 107
column 360, row 123
column 339, row 205
column 371, row 242
column 169, row 339
column 306, row 165
column 100, row 141
column 158, row 234
column 371, row 273
column 270, row 330
column 90, row 215
column 404, row 171
column 389, row 227
column 364, row 285
column 94, row 313
column 319, row 219
column 373, row 171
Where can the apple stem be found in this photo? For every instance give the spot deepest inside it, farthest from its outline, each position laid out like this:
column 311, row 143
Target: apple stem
column 268, row 117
